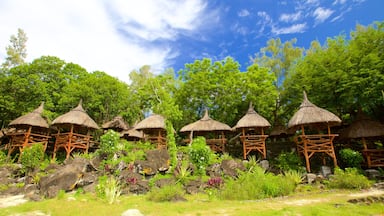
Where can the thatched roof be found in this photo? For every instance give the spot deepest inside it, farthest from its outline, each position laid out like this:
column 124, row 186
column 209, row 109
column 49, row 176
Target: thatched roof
column 252, row 120
column 206, row 124
column 133, row 133
column 310, row 114
column 33, row 118
column 154, row 121
column 117, row 123
column 363, row 126
column 76, row 116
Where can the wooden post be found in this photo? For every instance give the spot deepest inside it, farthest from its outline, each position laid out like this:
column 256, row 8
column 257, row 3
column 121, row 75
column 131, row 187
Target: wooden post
column 244, row 144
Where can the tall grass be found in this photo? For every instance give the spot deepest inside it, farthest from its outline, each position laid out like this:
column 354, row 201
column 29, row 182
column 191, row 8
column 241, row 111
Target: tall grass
column 256, row 185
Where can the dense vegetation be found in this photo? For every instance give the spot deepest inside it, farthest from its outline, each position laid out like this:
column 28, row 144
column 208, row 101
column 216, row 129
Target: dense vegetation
column 342, row 75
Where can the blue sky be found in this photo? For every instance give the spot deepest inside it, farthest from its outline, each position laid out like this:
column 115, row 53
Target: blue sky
column 118, row 36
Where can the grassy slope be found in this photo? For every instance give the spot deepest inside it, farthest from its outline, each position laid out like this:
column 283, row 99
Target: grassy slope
column 323, row 203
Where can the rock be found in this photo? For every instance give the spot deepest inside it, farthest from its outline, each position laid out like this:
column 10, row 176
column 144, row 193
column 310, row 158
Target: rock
column 311, row 178
column 230, row 167
column 164, row 182
column 214, row 170
column 140, row 187
column 325, row 171
column 372, row 174
column 160, row 158
column 146, row 167
column 132, row 212
column 194, row 187
column 65, row 179
column 264, row 164
column 88, row 178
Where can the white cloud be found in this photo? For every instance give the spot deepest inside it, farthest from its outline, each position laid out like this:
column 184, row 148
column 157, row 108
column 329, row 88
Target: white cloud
column 243, row 13
column 321, row 14
column 293, row 17
column 297, row 28
column 339, row 2
column 113, row 36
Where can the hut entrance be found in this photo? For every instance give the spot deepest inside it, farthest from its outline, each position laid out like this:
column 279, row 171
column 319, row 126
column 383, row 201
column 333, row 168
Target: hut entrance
column 213, row 131
column 154, row 130
column 368, row 131
column 74, row 131
column 315, row 117
column 30, row 129
column 252, row 127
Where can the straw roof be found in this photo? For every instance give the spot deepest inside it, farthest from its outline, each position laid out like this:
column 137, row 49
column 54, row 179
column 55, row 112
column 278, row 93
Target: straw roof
column 154, row 121
column 117, row 123
column 133, row 133
column 206, row 124
column 363, row 126
column 310, row 114
column 76, row 116
column 33, row 118
column 252, row 120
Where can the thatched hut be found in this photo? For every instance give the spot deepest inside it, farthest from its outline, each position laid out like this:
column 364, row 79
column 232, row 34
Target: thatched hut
column 30, row 128
column 117, row 124
column 368, row 131
column 309, row 115
column 154, row 130
column 213, row 131
column 132, row 135
column 74, row 131
column 252, row 126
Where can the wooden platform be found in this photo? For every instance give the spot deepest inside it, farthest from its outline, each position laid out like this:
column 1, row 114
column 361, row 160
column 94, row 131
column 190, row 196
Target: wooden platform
column 308, row 145
column 254, row 143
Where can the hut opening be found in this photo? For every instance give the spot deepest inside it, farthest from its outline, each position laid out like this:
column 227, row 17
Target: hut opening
column 369, row 132
column 252, row 127
column 213, row 131
column 74, row 131
column 30, row 129
column 154, row 130
column 312, row 117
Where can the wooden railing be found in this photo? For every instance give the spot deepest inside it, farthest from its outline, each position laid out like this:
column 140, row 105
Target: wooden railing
column 70, row 141
column 254, row 143
column 308, row 145
column 160, row 142
column 20, row 140
column 374, row 157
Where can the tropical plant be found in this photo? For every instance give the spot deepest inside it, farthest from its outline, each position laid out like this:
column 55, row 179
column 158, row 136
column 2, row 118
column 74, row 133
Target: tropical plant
column 200, row 154
column 351, row 158
column 348, row 179
column 289, row 161
column 31, row 157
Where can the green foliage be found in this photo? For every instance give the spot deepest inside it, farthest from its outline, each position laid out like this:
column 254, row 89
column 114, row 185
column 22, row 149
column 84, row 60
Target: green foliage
column 32, row 157
column 166, row 193
column 351, row 158
column 3, row 157
column 109, row 143
column 60, row 195
column 183, row 172
column 295, row 176
column 289, row 161
column 171, row 143
column 108, row 188
column 256, row 185
column 348, row 179
column 200, row 154
column 17, row 50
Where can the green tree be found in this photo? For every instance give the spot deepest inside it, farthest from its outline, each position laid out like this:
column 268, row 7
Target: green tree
column 155, row 93
column 17, row 50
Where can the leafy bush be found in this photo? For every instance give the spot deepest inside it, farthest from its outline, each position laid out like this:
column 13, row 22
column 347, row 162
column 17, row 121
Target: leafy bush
column 295, row 176
column 3, row 158
column 256, row 185
column 108, row 188
column 200, row 154
column 171, row 143
column 109, row 143
column 31, row 157
column 351, row 158
column 166, row 193
column 289, row 161
column 348, row 179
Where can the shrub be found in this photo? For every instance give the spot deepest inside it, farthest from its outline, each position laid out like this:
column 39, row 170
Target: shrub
column 31, row 157
column 108, row 188
column 351, row 158
column 3, row 157
column 256, row 185
column 348, row 179
column 171, row 143
column 295, row 176
column 166, row 193
column 109, row 143
column 289, row 161
column 200, row 154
